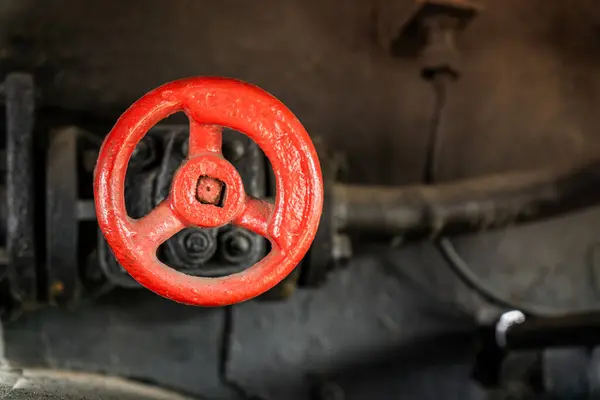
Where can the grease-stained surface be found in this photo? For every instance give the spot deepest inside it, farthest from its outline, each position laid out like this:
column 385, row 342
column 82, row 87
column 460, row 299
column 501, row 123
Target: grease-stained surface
column 527, row 98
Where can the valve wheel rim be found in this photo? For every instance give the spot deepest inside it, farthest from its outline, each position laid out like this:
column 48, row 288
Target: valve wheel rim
column 290, row 223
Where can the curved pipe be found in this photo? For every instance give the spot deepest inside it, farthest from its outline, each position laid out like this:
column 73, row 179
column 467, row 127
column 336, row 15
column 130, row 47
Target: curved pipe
column 471, row 205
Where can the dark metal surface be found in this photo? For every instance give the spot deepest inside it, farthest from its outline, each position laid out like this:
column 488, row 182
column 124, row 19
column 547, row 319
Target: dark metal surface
column 134, row 334
column 551, row 265
column 21, row 250
column 62, row 220
column 566, row 373
column 191, row 247
column 33, row 384
column 363, row 331
column 201, row 252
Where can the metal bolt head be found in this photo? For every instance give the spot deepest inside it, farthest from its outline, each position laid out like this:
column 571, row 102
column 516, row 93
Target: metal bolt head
column 197, row 244
column 236, row 245
column 190, row 247
column 329, row 391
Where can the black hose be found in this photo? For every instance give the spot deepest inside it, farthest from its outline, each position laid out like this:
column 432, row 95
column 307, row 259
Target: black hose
column 465, row 273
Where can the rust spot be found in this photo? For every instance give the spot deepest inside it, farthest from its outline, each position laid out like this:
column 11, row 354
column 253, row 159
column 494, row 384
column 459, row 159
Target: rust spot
column 210, row 191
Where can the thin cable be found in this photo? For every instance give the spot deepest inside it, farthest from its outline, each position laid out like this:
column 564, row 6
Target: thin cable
column 468, row 277
column 434, row 141
column 447, row 249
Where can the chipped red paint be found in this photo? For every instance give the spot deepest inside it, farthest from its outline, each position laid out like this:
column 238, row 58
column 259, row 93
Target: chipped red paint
column 290, row 223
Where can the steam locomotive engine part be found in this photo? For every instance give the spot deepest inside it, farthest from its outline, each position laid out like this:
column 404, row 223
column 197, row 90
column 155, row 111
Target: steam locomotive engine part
column 208, row 192
column 193, row 250
column 78, row 263
column 472, row 205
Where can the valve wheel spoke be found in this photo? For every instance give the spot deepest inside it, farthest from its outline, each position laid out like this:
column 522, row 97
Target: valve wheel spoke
column 257, row 217
column 204, row 138
column 158, row 226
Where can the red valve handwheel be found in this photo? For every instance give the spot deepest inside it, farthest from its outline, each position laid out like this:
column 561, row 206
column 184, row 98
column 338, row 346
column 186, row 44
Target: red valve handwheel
column 208, row 192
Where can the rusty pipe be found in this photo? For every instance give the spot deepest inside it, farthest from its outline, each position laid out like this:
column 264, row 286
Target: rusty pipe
column 470, row 205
